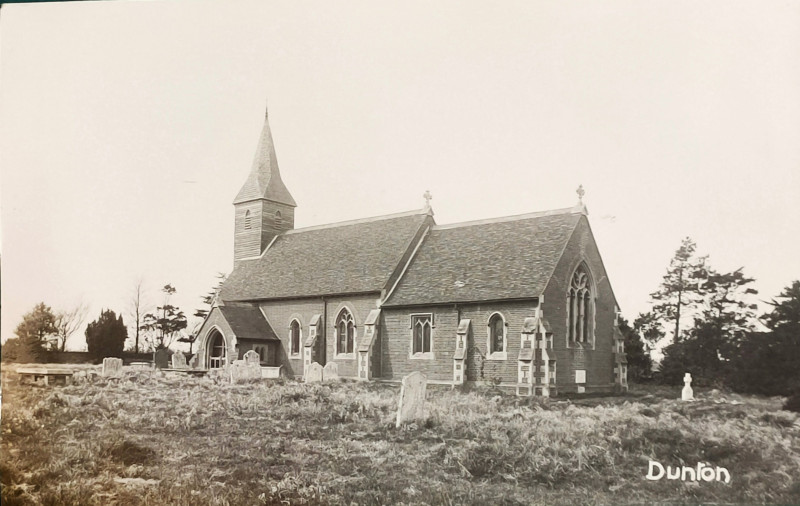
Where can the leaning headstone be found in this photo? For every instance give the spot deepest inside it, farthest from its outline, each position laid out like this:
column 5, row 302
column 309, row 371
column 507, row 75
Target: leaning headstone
column 412, row 398
column 252, row 357
column 194, row 361
column 112, row 366
column 314, row 373
column 330, row 372
column 687, row 394
column 244, row 371
column 161, row 358
column 178, row 360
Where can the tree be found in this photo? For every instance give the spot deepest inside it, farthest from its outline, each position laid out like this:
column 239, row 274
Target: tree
column 714, row 341
column 36, row 332
column 11, row 350
column 636, row 351
column 137, row 311
column 105, row 337
column 166, row 322
column 766, row 362
column 211, row 297
column 67, row 322
column 680, row 292
column 208, row 299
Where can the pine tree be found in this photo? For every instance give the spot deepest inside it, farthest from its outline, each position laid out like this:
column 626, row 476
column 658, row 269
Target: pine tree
column 678, row 298
column 166, row 322
column 37, row 333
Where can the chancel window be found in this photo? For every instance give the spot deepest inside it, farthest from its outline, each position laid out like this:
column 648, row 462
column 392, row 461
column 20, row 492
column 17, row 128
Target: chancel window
column 579, row 307
column 422, row 330
column 294, row 336
column 497, row 334
column 345, row 332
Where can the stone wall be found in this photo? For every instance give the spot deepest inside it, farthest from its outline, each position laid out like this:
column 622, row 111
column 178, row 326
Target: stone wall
column 596, row 360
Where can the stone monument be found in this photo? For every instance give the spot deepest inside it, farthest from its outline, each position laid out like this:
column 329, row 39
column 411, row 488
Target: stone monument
column 412, row 398
column 314, row 373
column 687, row 394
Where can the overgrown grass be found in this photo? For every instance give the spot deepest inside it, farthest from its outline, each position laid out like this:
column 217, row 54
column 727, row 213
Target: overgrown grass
column 153, row 439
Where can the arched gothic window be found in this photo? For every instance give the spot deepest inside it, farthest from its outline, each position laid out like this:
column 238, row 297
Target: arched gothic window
column 294, row 334
column 497, row 334
column 421, row 330
column 248, row 220
column 278, row 219
column 345, row 332
column 579, row 307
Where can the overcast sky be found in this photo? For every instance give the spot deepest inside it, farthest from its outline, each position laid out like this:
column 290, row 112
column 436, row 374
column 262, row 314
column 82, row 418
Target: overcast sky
column 128, row 128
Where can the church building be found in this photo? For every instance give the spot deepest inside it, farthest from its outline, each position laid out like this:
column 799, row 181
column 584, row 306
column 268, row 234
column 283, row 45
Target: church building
column 522, row 302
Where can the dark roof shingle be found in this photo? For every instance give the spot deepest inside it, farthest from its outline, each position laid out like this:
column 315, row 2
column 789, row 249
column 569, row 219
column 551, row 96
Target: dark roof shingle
column 247, row 322
column 350, row 257
column 510, row 258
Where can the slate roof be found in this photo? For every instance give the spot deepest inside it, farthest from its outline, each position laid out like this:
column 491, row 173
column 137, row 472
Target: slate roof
column 264, row 181
column 507, row 258
column 247, row 322
column 350, row 257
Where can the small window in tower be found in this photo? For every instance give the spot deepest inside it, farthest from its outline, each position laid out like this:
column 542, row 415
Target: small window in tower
column 278, row 219
column 248, row 221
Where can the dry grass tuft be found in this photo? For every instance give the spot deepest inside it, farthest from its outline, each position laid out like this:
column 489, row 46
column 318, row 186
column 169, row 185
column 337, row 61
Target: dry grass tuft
column 148, row 438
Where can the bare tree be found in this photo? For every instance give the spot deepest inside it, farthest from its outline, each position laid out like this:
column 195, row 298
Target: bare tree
column 137, row 310
column 69, row 321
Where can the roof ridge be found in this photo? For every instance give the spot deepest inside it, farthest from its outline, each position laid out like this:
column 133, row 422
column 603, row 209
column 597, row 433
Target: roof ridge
column 502, row 219
column 417, row 212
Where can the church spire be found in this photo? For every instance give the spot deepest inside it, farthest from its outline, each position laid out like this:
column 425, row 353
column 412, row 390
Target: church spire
column 264, row 181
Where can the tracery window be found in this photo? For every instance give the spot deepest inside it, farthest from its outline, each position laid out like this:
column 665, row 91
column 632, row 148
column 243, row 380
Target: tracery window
column 294, row 337
column 345, row 332
column 497, row 334
column 422, row 330
column 579, row 307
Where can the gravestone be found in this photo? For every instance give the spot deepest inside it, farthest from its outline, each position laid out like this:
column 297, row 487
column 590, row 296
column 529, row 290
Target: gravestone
column 330, row 372
column 112, row 366
column 178, row 360
column 244, row 371
column 161, row 358
column 412, row 398
column 314, row 373
column 252, row 357
column 687, row 394
column 194, row 361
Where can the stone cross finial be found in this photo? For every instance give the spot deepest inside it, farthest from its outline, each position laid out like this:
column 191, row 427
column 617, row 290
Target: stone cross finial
column 427, row 196
column 581, row 192
column 687, row 379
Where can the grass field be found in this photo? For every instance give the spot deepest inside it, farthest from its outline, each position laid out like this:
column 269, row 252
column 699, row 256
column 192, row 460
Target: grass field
column 152, row 439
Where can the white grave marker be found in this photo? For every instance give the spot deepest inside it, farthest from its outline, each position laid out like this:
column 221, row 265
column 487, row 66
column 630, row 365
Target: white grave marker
column 330, row 372
column 687, row 394
column 412, row 398
column 314, row 373
column 252, row 357
column 178, row 360
column 112, row 366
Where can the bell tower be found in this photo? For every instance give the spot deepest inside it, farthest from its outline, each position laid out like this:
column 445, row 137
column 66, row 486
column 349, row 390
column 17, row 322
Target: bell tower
column 264, row 207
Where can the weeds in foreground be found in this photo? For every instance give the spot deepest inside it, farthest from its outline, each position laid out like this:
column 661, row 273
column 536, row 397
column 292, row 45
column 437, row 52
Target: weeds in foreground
column 150, row 439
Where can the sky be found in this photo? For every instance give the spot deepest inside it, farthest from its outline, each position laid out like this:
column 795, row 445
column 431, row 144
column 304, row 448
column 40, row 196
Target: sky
column 127, row 128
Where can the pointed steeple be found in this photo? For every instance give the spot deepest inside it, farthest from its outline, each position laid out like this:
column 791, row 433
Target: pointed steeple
column 264, row 181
